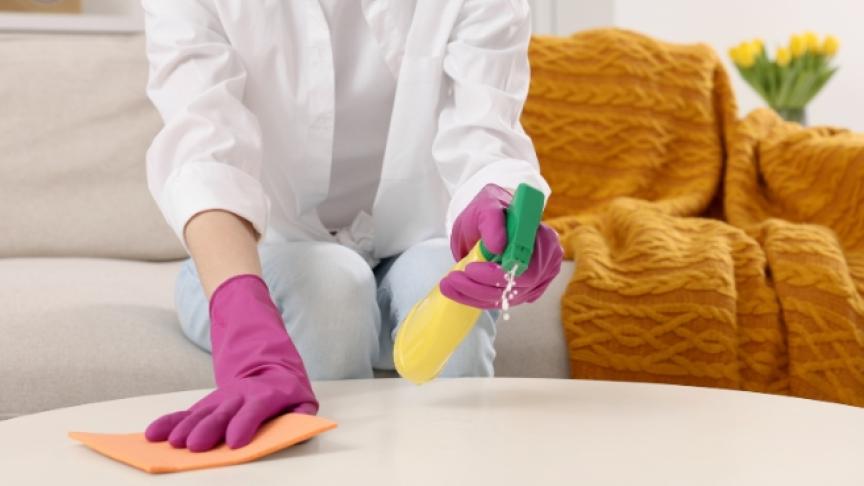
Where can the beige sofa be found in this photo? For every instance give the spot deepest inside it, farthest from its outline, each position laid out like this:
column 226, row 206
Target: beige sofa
column 87, row 266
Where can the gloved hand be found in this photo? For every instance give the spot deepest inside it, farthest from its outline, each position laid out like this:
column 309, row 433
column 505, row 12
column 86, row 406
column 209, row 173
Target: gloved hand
column 258, row 372
column 482, row 285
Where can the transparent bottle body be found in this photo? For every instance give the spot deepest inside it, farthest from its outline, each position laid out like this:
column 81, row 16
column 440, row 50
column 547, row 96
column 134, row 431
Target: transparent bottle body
column 433, row 330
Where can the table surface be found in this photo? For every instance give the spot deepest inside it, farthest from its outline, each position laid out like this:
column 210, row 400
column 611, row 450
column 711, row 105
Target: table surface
column 488, row 431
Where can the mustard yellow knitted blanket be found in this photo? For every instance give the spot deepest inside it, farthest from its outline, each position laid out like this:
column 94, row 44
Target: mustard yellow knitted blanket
column 709, row 251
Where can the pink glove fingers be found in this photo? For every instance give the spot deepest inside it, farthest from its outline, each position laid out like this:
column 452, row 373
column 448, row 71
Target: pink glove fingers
column 161, row 428
column 181, row 431
column 307, row 408
column 211, row 430
column 484, row 218
column 464, row 284
column 246, row 422
column 458, row 287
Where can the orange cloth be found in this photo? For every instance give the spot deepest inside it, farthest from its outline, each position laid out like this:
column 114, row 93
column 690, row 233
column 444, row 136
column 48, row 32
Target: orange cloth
column 160, row 457
column 709, row 251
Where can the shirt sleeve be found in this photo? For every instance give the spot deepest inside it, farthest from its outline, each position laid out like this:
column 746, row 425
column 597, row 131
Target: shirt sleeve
column 480, row 139
column 208, row 154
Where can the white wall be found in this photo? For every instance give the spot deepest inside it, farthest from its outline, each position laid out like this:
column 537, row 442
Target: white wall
column 562, row 17
column 724, row 23
column 576, row 15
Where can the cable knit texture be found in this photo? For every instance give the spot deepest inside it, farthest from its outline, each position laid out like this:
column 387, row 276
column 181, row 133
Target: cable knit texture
column 709, row 251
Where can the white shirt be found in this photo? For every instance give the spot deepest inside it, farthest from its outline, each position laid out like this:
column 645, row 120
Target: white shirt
column 364, row 99
column 247, row 91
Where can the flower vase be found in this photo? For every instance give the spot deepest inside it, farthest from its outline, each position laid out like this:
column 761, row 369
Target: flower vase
column 797, row 115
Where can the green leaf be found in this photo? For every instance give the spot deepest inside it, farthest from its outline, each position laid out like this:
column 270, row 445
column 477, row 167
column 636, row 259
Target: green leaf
column 802, row 90
column 766, row 68
column 751, row 77
column 821, row 81
column 769, row 81
column 788, row 75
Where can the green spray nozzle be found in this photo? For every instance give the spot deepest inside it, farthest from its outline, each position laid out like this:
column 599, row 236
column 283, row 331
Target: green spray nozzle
column 523, row 218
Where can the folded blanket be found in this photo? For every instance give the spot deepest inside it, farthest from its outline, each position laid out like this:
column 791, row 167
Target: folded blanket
column 709, row 251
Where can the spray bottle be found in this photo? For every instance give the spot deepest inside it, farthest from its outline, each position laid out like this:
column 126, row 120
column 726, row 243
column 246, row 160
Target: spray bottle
column 436, row 325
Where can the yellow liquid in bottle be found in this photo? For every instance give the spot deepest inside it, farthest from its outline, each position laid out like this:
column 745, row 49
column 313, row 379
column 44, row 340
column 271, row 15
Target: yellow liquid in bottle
column 433, row 330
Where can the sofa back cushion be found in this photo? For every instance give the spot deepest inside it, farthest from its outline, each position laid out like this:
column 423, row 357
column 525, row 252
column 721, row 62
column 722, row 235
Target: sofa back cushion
column 75, row 124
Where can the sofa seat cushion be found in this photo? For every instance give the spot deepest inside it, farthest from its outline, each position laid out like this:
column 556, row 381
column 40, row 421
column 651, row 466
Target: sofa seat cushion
column 531, row 344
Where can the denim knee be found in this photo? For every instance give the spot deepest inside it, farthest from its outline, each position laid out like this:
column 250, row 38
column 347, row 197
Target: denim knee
column 326, row 294
column 193, row 308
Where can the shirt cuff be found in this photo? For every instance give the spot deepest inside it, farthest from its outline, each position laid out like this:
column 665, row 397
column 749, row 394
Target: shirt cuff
column 195, row 187
column 507, row 173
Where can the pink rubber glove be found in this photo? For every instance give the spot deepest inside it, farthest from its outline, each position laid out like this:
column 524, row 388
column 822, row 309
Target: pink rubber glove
column 481, row 285
column 259, row 373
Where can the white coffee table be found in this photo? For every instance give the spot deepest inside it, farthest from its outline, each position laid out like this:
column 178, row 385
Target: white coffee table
column 488, row 432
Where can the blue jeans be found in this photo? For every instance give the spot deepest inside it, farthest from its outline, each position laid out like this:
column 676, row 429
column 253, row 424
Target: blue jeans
column 341, row 314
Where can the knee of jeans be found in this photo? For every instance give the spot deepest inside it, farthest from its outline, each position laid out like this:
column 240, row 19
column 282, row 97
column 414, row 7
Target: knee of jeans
column 320, row 274
column 434, row 252
column 415, row 272
column 193, row 308
column 327, row 300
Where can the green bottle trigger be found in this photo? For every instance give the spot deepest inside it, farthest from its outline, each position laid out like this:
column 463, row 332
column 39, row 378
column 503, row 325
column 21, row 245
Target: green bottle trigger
column 524, row 215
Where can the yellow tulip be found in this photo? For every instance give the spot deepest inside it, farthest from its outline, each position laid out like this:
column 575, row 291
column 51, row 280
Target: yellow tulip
column 737, row 53
column 746, row 55
column 733, row 54
column 783, row 56
column 797, row 46
column 757, row 45
column 812, row 41
column 831, row 45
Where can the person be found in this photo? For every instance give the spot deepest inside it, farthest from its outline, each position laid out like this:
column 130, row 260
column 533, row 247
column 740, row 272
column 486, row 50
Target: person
column 324, row 162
